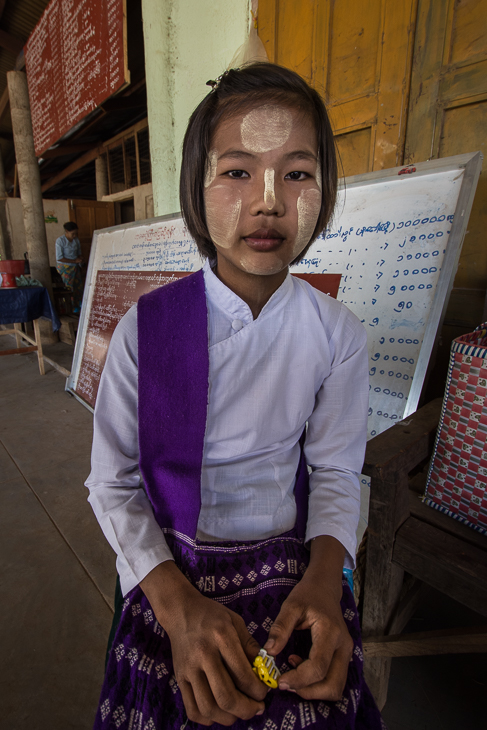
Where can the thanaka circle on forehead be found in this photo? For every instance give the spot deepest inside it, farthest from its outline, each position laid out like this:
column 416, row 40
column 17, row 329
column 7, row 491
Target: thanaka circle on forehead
column 266, row 128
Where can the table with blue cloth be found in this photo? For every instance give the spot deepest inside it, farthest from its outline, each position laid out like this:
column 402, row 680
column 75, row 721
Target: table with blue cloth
column 28, row 304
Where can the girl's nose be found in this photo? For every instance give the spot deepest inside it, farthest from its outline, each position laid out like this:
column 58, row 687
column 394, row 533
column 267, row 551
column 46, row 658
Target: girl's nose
column 267, row 199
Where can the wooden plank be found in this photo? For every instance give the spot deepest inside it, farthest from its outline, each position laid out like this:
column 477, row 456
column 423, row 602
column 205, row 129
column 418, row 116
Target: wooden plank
column 70, row 149
column 267, row 20
column 394, row 83
column 464, row 82
column 353, row 114
column 4, row 100
column 430, row 34
column 56, row 366
column 402, row 447
column 18, row 351
column 423, row 512
column 443, row 561
column 470, row 640
column 40, row 358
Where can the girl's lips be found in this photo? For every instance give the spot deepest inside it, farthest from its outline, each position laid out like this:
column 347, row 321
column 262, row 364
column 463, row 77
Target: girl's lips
column 264, row 239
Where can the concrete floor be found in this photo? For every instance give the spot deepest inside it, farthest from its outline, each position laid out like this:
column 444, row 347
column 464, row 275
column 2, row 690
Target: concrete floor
column 57, row 575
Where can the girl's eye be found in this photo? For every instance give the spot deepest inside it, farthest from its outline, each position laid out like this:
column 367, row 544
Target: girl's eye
column 237, row 174
column 296, row 175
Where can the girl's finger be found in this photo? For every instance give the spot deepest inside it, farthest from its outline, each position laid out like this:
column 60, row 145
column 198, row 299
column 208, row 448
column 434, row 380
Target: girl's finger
column 207, row 706
column 238, row 660
column 282, row 628
column 330, row 687
column 228, row 698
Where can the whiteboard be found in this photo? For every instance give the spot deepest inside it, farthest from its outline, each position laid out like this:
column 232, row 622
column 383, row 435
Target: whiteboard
column 396, row 239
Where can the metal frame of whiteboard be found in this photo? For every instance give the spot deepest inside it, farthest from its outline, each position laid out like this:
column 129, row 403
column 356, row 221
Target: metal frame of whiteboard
column 469, row 166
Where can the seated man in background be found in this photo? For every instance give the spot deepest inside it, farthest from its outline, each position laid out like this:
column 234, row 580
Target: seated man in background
column 69, row 262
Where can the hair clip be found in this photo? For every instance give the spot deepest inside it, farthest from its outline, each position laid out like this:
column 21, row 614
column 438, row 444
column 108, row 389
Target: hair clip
column 266, row 670
column 216, row 82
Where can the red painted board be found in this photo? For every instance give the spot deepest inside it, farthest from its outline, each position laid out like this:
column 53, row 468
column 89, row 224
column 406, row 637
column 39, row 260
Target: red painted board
column 115, row 292
column 327, row 283
column 74, row 61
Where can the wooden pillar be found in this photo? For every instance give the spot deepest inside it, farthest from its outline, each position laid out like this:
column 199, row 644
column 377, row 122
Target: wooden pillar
column 29, row 179
column 4, row 249
column 101, row 177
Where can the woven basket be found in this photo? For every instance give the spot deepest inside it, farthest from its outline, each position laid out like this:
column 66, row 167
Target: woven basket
column 458, row 472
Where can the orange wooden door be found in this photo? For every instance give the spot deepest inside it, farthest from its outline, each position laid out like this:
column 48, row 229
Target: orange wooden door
column 448, row 116
column 90, row 215
column 357, row 54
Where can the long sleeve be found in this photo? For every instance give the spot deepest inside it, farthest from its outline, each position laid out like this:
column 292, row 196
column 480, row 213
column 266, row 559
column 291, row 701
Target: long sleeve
column 117, row 495
column 59, row 249
column 336, row 438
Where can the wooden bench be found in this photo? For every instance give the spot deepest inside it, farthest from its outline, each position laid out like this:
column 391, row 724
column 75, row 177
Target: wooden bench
column 409, row 543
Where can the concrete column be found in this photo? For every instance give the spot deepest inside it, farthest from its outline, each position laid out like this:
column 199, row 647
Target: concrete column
column 186, row 43
column 29, row 178
column 101, row 173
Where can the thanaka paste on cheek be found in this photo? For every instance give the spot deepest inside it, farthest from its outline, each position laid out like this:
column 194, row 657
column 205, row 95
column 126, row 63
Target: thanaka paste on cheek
column 266, row 128
column 211, row 163
column 269, row 192
column 222, row 215
column 319, row 180
column 309, row 204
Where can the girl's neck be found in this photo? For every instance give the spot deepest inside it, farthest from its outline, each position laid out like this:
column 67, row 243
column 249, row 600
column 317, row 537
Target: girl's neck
column 255, row 290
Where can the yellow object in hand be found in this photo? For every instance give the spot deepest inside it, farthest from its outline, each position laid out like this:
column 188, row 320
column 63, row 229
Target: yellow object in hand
column 266, row 670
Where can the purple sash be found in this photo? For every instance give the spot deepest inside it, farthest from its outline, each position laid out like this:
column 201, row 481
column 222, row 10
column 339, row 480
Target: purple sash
column 253, row 579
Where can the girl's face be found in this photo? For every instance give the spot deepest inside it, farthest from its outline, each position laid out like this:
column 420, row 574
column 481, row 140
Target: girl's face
column 262, row 189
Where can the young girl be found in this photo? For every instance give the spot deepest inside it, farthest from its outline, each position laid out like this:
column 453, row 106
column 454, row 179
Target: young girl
column 218, row 393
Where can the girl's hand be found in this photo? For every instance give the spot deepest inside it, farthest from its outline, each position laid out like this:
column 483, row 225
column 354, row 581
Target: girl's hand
column 211, row 647
column 315, row 604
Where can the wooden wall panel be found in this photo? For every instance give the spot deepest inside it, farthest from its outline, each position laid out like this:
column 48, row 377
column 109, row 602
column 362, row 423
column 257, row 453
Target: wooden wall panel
column 448, row 115
column 354, row 152
column 469, row 26
column 357, row 54
column 354, row 49
column 464, row 129
column 295, row 23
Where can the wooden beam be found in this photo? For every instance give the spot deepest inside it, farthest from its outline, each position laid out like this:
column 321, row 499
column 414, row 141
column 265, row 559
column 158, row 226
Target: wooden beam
column 66, row 150
column 10, row 42
column 4, row 100
column 18, row 351
column 92, row 154
column 470, row 640
column 73, row 167
column 120, row 103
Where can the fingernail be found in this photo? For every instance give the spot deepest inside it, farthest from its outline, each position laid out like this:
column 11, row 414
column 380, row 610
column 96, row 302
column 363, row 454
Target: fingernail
column 284, row 686
column 261, row 712
column 270, row 643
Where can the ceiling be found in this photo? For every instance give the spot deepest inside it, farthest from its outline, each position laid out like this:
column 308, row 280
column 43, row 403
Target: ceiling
column 18, row 19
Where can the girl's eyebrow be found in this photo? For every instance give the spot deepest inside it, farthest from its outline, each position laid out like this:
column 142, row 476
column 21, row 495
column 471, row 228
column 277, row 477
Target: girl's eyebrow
column 301, row 155
column 234, row 154
column 295, row 155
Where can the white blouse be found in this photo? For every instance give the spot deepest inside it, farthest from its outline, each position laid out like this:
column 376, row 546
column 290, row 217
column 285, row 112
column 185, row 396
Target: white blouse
column 304, row 359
